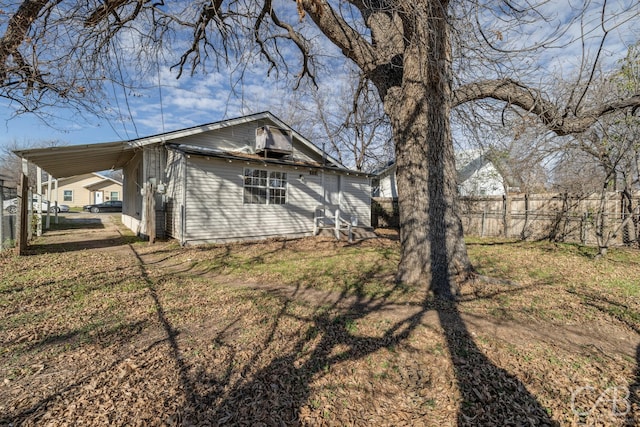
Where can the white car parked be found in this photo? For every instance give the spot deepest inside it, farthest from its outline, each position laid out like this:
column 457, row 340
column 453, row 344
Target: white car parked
column 11, row 206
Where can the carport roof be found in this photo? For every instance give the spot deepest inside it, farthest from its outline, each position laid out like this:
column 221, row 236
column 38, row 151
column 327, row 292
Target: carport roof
column 62, row 162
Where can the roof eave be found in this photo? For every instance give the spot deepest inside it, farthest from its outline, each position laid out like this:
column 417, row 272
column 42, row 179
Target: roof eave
column 231, row 156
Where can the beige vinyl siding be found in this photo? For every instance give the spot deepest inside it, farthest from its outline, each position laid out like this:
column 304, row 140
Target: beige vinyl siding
column 76, row 184
column 216, row 212
column 174, row 192
column 106, row 187
column 83, row 188
column 356, row 198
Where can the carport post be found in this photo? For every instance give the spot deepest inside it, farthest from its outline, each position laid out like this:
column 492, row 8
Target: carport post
column 23, row 234
column 56, row 197
column 39, row 215
column 49, row 205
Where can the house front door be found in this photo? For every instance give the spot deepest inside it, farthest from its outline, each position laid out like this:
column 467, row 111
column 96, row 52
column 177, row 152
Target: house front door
column 331, row 193
column 98, row 197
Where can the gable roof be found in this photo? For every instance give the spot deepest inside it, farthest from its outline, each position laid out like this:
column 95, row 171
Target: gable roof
column 107, row 178
column 100, row 178
column 67, row 161
column 265, row 115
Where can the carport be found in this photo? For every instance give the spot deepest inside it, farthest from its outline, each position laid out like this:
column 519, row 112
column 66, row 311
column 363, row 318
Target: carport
column 64, row 162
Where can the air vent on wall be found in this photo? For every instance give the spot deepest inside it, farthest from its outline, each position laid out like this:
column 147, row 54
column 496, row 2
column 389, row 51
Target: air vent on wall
column 274, row 142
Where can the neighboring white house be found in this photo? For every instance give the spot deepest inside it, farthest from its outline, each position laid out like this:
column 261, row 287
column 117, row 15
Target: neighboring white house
column 477, row 176
column 250, row 177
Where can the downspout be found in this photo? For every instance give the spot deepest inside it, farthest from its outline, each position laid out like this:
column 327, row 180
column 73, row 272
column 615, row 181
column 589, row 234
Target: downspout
column 183, row 206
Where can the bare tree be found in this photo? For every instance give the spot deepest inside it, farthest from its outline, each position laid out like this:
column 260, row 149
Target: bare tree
column 423, row 57
column 611, row 151
column 10, row 164
column 345, row 117
column 356, row 127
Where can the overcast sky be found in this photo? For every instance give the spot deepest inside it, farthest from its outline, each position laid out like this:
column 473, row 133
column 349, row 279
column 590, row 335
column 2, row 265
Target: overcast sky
column 171, row 104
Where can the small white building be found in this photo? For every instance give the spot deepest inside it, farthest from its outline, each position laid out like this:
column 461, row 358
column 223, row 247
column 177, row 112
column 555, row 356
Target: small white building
column 477, row 176
column 251, row 177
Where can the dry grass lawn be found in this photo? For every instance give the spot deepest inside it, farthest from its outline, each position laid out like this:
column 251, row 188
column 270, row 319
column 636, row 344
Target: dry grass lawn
column 99, row 329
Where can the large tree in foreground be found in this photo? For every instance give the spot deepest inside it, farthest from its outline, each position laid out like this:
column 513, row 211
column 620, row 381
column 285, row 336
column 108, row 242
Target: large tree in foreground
column 424, row 57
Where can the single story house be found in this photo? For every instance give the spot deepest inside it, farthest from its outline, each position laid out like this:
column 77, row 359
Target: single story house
column 85, row 189
column 478, row 175
column 250, row 177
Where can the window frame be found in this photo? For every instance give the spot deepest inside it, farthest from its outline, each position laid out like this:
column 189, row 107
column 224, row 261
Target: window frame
column 64, row 196
column 264, row 187
column 111, row 193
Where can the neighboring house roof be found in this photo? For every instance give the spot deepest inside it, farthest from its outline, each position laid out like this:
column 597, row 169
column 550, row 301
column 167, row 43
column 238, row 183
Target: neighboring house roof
column 101, row 182
column 99, row 178
column 68, row 161
column 107, row 178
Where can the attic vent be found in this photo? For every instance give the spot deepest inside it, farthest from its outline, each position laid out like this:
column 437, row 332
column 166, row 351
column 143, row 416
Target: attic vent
column 274, row 142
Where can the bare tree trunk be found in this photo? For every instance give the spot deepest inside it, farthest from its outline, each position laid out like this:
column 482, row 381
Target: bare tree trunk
column 603, row 233
column 433, row 251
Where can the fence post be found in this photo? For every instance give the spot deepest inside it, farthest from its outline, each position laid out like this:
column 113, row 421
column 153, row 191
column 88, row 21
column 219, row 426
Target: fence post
column 506, row 214
column 484, row 218
column 583, row 227
column 523, row 233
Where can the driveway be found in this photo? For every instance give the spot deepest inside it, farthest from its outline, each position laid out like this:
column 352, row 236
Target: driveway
column 83, row 230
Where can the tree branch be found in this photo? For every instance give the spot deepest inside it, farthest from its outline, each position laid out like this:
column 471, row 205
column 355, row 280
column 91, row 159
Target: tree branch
column 350, row 41
column 16, row 34
column 533, row 102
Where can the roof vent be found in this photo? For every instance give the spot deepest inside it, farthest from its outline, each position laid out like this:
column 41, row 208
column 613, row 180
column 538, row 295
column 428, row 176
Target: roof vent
column 273, row 142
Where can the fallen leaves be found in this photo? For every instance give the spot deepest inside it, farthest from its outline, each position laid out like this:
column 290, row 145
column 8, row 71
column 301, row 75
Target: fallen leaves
column 92, row 337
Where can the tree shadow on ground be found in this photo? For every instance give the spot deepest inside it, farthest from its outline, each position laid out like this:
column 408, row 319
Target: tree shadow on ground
column 634, row 395
column 72, row 246
column 277, row 393
column 490, row 394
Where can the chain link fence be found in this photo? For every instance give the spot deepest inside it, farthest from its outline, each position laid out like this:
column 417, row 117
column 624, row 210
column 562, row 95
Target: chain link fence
column 8, row 217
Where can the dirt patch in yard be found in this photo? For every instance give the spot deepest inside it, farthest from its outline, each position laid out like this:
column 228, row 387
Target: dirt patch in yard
column 100, row 329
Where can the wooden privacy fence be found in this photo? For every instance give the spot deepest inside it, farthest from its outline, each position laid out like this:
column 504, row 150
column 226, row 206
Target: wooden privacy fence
column 560, row 217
